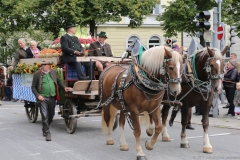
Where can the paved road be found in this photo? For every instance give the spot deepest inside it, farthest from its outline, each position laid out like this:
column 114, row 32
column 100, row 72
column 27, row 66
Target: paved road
column 21, row 140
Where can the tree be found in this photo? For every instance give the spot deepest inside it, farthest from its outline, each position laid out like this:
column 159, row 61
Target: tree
column 51, row 15
column 180, row 16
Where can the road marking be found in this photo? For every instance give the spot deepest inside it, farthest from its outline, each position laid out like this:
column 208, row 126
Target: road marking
column 213, row 135
column 35, row 154
column 4, row 129
column 13, row 108
column 61, row 151
column 96, row 120
column 221, row 134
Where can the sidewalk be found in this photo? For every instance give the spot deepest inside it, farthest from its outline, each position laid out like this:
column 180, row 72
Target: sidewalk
column 220, row 121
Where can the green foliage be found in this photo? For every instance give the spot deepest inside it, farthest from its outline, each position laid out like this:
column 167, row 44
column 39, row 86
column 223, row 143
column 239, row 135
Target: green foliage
column 180, row 16
column 51, row 15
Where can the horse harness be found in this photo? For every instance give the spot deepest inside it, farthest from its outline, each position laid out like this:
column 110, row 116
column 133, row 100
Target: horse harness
column 193, row 81
column 140, row 80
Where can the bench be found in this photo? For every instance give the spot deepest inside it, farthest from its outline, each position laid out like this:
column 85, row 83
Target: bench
column 80, row 87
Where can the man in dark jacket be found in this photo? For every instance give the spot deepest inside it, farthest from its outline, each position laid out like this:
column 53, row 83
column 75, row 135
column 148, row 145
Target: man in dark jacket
column 72, row 48
column 20, row 52
column 45, row 88
column 100, row 48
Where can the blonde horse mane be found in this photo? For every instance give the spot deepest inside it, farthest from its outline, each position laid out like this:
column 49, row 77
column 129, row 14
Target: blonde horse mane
column 153, row 58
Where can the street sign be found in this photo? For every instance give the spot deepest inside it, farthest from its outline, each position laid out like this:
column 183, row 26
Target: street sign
column 220, row 32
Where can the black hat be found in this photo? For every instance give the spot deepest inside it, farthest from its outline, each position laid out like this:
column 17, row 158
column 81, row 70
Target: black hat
column 69, row 25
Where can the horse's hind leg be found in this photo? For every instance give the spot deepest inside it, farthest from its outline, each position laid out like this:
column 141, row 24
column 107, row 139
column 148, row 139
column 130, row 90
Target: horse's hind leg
column 150, row 144
column 123, row 143
column 108, row 115
column 165, row 136
column 207, row 147
column 184, row 119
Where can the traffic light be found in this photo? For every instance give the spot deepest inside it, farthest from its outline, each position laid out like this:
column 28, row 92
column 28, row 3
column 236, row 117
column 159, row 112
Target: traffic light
column 205, row 20
column 170, row 42
column 228, row 34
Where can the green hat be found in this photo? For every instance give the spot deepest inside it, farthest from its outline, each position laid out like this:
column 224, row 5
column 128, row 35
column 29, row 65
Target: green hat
column 69, row 25
column 102, row 34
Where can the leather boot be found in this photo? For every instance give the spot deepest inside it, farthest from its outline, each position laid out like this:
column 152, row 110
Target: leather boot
column 48, row 137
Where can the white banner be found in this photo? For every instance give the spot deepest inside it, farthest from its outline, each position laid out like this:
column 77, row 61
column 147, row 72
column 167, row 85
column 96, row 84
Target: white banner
column 27, row 80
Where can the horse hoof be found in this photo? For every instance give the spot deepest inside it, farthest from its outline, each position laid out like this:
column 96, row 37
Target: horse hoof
column 141, row 158
column 170, row 123
column 148, row 133
column 166, row 139
column 110, row 142
column 207, row 150
column 185, row 145
column 124, row 147
column 147, row 146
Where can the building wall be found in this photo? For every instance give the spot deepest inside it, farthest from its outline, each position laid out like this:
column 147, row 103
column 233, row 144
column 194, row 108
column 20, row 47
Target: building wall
column 118, row 36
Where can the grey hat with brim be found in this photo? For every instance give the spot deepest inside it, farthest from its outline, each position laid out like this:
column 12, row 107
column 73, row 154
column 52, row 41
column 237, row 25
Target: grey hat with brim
column 46, row 62
column 234, row 63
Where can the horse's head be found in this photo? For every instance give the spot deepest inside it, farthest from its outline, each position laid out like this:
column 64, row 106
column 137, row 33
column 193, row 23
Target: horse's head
column 166, row 66
column 173, row 67
column 215, row 67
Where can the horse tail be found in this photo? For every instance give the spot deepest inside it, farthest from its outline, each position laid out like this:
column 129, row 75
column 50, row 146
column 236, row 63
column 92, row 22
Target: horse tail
column 144, row 119
column 109, row 115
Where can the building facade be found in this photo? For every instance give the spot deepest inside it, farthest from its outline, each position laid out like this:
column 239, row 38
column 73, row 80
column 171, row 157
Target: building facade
column 150, row 33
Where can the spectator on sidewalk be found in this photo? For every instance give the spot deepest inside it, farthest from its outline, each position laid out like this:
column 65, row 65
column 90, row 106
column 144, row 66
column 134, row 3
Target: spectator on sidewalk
column 8, row 88
column 229, row 84
column 233, row 57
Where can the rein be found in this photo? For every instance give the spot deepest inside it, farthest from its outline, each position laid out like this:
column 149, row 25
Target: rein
column 197, row 83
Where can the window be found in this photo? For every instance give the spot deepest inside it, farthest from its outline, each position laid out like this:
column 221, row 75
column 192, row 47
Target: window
column 154, row 41
column 157, row 10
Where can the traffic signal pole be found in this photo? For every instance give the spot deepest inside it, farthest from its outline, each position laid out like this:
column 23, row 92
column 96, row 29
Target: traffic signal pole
column 222, row 42
column 215, row 26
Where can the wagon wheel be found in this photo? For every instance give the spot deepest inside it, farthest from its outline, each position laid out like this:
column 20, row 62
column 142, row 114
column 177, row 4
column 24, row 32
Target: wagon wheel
column 70, row 122
column 115, row 125
column 31, row 110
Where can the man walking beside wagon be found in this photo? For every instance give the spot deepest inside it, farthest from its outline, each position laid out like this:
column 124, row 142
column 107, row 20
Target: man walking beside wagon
column 45, row 88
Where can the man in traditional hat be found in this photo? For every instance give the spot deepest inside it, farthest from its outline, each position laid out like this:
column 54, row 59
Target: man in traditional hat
column 72, row 48
column 100, row 48
column 45, row 88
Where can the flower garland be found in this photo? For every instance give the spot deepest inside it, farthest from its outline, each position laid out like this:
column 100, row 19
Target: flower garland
column 29, row 68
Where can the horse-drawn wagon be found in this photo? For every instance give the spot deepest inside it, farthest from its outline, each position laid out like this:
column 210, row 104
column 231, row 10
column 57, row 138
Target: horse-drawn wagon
column 81, row 101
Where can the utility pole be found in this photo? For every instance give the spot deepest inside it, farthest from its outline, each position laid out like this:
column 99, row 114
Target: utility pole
column 215, row 26
column 216, row 22
column 220, row 23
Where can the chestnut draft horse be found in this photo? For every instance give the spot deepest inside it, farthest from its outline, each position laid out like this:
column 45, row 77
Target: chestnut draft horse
column 198, row 87
column 137, row 88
